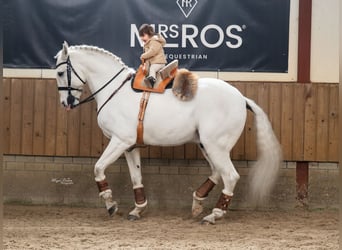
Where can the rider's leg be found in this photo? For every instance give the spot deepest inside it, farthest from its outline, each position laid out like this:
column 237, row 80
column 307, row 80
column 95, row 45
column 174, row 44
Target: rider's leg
column 154, row 68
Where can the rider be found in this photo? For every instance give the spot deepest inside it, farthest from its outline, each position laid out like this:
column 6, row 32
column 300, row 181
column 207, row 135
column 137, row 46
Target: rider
column 153, row 57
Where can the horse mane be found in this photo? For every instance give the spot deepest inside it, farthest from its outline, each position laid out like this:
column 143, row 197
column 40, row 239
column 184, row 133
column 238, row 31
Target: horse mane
column 98, row 50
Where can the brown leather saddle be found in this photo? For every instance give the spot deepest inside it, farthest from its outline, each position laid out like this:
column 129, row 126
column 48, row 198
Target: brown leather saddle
column 163, row 79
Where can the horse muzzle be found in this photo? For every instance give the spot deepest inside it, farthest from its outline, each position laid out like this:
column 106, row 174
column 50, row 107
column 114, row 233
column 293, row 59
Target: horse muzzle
column 70, row 103
column 71, row 100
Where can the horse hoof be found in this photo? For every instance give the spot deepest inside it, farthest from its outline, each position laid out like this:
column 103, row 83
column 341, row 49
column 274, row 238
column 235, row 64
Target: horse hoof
column 132, row 217
column 112, row 210
column 210, row 219
column 205, row 222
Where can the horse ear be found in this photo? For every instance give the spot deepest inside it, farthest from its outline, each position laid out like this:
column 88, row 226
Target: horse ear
column 65, row 49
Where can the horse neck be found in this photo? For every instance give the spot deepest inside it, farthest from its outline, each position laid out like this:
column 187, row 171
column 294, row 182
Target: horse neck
column 100, row 71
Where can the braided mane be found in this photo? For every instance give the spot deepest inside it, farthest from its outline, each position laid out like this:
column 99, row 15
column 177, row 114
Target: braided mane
column 100, row 51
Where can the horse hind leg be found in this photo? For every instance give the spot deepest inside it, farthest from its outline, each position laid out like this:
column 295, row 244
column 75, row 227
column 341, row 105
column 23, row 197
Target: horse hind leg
column 134, row 165
column 201, row 194
column 225, row 168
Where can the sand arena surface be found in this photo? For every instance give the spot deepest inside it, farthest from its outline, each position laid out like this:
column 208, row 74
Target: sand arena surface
column 51, row 227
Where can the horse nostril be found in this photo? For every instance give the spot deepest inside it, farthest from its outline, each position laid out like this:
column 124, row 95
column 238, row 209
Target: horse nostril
column 70, row 100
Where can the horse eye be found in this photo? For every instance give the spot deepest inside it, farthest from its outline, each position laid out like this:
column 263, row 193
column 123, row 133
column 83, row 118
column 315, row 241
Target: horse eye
column 60, row 74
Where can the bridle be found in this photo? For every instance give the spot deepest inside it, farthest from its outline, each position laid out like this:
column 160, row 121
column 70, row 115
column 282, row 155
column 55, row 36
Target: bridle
column 69, row 88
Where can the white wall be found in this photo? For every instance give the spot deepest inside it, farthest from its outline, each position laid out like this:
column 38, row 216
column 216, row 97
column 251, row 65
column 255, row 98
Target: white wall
column 325, row 41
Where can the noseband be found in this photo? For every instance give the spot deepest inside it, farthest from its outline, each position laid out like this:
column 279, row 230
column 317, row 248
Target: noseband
column 69, row 88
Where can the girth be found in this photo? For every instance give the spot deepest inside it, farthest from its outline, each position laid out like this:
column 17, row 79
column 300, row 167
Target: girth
column 140, row 128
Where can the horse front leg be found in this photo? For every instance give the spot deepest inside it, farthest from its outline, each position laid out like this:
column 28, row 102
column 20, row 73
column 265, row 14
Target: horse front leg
column 112, row 152
column 134, row 165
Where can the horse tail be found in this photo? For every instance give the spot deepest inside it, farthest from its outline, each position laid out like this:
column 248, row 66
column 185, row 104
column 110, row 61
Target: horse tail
column 265, row 171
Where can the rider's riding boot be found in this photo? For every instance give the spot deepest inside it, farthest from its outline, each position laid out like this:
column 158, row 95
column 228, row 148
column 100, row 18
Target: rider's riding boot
column 150, row 81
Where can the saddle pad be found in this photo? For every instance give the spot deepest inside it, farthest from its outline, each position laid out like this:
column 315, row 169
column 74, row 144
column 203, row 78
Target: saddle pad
column 168, row 86
column 140, row 76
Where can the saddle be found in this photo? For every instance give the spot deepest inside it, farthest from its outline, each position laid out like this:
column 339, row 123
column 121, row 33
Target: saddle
column 163, row 78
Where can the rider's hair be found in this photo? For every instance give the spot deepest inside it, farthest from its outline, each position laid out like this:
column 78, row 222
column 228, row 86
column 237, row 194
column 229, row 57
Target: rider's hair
column 146, row 29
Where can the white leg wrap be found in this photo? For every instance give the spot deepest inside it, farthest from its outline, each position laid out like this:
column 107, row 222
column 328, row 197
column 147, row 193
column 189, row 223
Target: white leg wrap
column 110, row 204
column 107, row 194
column 139, row 208
column 138, row 186
column 198, row 198
column 197, row 205
column 216, row 214
column 141, row 205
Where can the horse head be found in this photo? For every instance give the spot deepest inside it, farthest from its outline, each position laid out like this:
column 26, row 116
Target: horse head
column 69, row 80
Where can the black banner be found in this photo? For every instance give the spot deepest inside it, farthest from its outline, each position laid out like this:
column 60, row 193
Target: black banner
column 209, row 35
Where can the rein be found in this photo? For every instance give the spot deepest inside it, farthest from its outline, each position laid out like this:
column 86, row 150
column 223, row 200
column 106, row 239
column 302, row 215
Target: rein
column 69, row 88
column 92, row 96
column 114, row 92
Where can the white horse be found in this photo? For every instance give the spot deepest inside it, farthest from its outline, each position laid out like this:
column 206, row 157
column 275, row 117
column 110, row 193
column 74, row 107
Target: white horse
column 214, row 119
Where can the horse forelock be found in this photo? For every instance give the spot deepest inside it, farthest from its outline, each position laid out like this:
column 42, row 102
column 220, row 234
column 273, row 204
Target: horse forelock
column 58, row 54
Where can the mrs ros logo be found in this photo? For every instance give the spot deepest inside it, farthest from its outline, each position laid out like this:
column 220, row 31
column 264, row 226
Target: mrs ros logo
column 186, row 6
column 186, row 35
